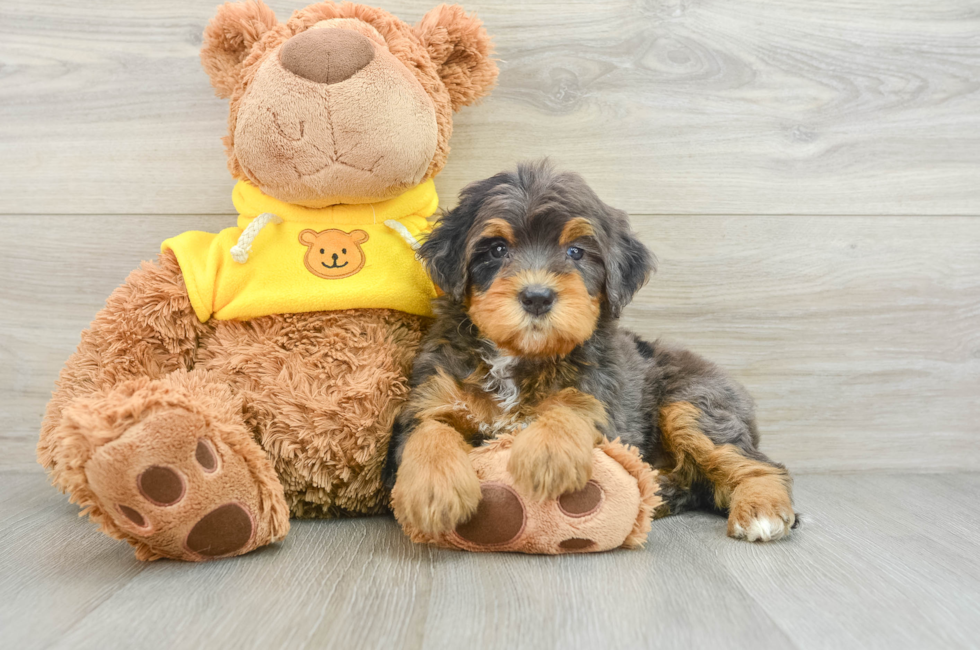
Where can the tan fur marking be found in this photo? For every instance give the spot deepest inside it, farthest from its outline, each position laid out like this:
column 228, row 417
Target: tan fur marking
column 553, row 454
column 498, row 228
column 499, row 316
column 576, row 229
column 585, row 405
column 437, row 488
column 442, row 399
column 748, row 488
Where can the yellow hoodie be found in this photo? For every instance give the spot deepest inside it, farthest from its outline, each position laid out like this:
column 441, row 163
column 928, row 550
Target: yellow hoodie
column 309, row 259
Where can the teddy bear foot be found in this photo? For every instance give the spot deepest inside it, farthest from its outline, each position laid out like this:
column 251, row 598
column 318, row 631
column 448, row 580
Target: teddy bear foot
column 176, row 489
column 613, row 510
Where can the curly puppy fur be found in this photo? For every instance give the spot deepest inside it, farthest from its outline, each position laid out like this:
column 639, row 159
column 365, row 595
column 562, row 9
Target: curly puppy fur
column 536, row 271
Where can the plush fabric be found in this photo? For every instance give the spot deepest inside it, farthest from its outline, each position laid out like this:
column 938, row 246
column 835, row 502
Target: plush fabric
column 211, row 399
column 142, row 427
column 314, row 393
column 613, row 510
column 316, row 144
column 285, row 271
column 460, row 48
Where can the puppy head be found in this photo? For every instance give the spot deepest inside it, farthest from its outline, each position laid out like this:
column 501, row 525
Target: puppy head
column 536, row 258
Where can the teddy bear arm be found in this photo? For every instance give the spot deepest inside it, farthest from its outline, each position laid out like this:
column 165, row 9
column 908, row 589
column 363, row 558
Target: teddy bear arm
column 146, row 329
column 132, row 420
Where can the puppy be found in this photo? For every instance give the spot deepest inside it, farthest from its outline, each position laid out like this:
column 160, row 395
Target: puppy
column 536, row 271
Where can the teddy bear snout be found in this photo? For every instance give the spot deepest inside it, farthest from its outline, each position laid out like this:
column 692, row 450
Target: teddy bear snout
column 327, row 55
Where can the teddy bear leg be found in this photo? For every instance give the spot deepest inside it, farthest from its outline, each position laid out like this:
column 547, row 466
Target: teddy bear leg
column 169, row 466
column 613, row 509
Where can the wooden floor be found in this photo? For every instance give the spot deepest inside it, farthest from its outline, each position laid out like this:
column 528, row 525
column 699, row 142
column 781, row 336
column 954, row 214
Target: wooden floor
column 883, row 560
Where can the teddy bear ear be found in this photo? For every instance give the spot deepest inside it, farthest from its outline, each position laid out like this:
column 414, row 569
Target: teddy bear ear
column 307, row 237
column 229, row 37
column 461, row 48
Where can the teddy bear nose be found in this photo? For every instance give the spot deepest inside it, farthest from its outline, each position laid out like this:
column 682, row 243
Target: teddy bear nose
column 326, row 55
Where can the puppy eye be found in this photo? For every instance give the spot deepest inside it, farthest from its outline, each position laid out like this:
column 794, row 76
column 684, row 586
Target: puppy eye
column 575, row 252
column 498, row 250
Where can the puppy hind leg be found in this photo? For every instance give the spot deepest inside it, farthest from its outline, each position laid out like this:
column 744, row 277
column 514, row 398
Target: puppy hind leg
column 755, row 492
column 684, row 489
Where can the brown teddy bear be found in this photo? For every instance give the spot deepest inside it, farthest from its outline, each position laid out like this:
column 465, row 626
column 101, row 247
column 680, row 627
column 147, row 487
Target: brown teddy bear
column 253, row 374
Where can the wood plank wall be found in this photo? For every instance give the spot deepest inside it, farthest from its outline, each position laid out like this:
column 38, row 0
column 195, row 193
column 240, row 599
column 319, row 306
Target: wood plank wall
column 807, row 172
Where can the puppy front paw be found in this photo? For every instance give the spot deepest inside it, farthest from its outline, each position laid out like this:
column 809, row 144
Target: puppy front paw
column 436, row 494
column 546, row 463
column 761, row 511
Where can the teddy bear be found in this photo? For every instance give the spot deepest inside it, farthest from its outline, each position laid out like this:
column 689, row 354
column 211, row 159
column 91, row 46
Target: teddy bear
column 252, row 375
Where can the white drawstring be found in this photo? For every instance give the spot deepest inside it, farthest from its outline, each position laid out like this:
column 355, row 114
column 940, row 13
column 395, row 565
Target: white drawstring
column 240, row 251
column 400, row 228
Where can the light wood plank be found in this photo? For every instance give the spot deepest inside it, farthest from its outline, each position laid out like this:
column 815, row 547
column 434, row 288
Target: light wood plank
column 889, row 562
column 858, row 337
column 855, row 345
column 654, row 598
column 338, row 584
column 54, row 567
column 757, row 106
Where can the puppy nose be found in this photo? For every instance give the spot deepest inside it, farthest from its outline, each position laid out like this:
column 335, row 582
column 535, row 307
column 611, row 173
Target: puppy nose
column 326, row 55
column 536, row 300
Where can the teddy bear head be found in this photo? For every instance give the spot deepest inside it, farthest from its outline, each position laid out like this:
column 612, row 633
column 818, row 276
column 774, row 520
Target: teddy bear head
column 342, row 103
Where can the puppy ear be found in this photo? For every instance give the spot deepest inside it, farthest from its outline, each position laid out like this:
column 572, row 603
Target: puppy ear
column 444, row 252
column 229, row 37
column 460, row 47
column 628, row 264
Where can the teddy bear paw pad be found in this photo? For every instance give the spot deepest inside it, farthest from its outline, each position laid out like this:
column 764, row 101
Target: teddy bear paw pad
column 161, row 485
column 581, row 502
column 222, row 531
column 576, row 544
column 499, row 518
column 173, row 485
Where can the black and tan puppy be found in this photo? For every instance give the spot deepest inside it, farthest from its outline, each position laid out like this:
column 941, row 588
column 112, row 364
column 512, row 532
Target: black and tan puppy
column 536, row 270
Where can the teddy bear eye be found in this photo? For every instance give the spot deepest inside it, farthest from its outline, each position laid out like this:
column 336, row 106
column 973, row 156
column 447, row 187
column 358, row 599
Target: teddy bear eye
column 575, row 252
column 321, row 251
column 343, row 250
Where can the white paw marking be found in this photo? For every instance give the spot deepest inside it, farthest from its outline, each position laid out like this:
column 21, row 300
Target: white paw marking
column 763, row 529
